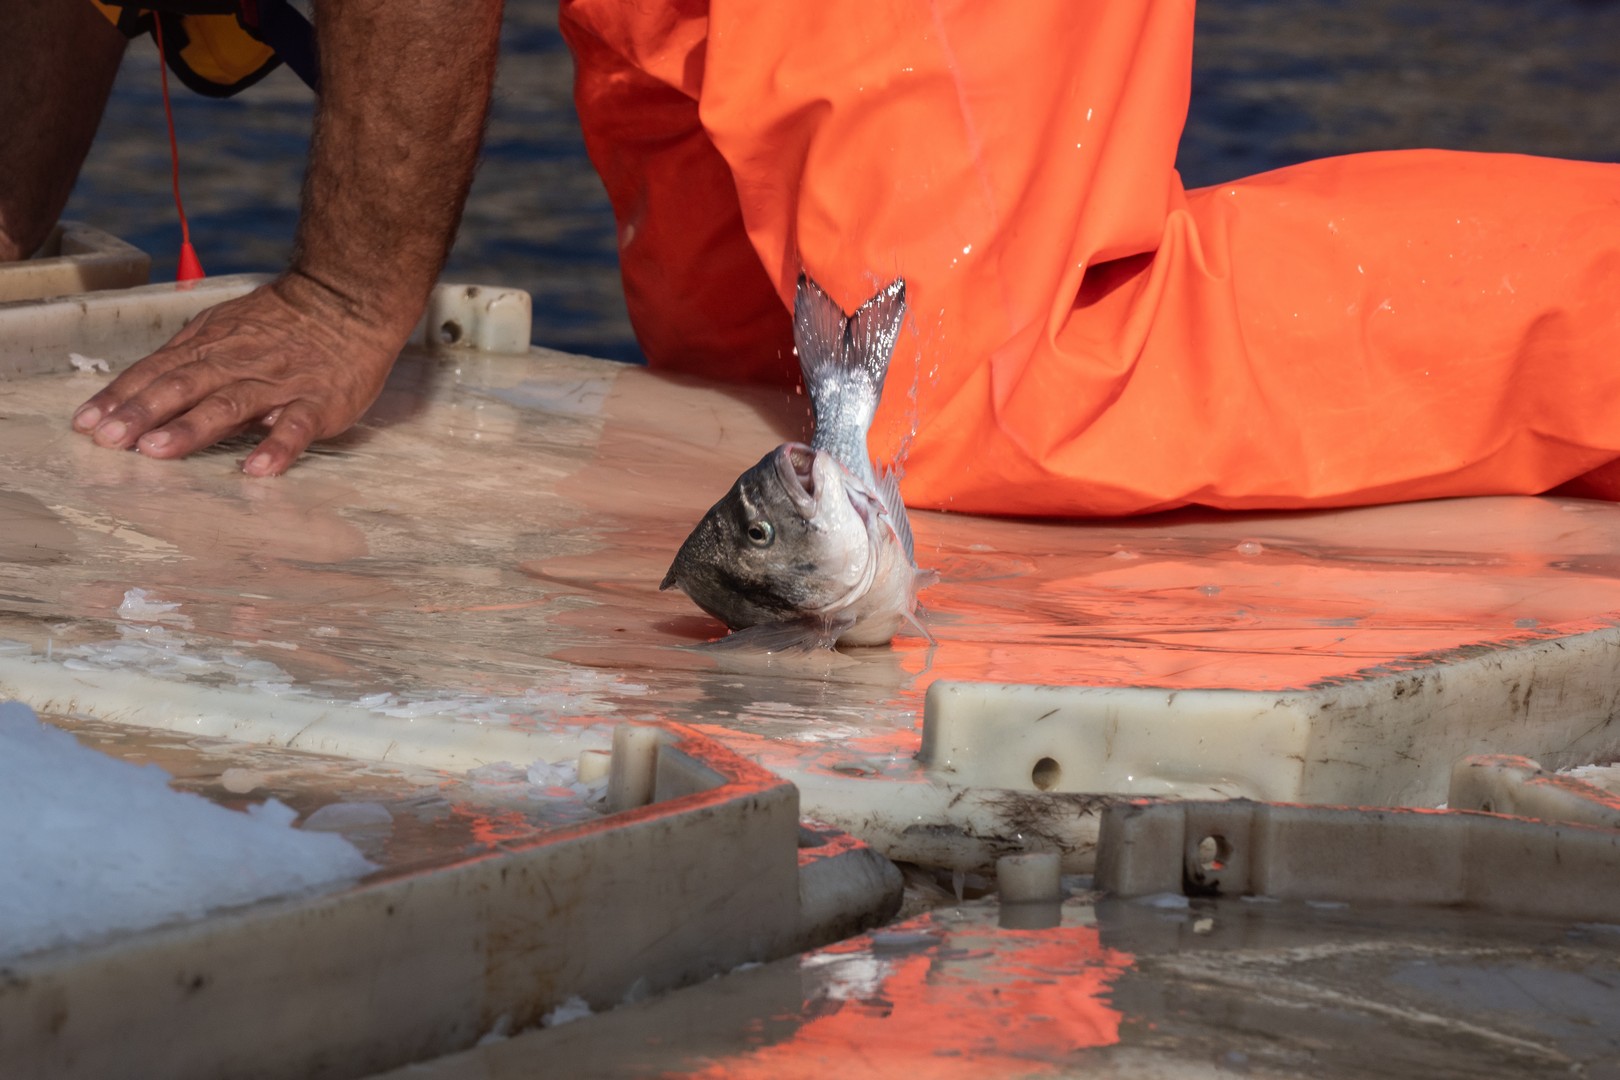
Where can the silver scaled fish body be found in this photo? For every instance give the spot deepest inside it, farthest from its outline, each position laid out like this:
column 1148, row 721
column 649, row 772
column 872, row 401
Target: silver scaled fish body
column 812, row 547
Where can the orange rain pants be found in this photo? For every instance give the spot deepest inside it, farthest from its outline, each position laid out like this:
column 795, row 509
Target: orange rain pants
column 1086, row 336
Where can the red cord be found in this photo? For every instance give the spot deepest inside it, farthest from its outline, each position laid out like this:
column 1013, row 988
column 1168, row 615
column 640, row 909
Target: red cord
column 189, row 268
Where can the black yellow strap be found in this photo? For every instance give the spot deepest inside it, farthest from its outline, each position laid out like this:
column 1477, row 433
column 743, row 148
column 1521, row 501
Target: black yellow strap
column 220, row 47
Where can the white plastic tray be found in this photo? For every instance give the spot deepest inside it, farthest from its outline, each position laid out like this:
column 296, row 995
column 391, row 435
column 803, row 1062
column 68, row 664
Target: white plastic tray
column 75, row 258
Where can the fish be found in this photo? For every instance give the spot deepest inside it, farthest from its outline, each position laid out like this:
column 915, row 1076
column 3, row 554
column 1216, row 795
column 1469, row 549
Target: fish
column 811, row 548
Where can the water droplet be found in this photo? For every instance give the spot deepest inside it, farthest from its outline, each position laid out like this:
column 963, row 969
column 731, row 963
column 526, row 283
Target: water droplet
column 1249, row 547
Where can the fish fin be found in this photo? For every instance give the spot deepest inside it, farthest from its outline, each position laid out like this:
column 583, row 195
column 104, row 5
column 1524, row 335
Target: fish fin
column 917, row 625
column 804, row 635
column 888, row 489
column 831, row 343
column 670, row 580
column 921, row 579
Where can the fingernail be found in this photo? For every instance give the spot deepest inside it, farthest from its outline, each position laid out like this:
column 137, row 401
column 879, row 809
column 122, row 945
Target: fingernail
column 257, row 465
column 157, row 440
column 86, row 418
column 112, row 431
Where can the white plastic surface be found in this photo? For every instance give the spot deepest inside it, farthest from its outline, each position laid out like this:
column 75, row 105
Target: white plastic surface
column 119, row 326
column 75, row 258
column 1385, row 738
column 1035, row 877
column 471, row 575
column 122, row 325
column 414, row 965
column 1509, row 784
column 486, row 318
column 1340, row 854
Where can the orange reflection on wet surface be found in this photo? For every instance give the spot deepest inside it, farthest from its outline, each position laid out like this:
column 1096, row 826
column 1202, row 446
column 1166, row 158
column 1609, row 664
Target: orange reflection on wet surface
column 924, row 999
column 410, row 558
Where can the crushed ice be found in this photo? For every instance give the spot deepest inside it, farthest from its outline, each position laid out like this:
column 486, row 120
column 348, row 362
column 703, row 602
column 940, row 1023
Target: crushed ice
column 539, row 780
column 139, row 606
column 573, row 1008
column 88, row 364
column 100, row 845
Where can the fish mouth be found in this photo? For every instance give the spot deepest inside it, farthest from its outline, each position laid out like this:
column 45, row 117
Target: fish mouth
column 796, row 465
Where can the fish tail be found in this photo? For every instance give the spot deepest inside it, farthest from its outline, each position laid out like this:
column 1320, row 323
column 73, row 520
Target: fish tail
column 835, row 349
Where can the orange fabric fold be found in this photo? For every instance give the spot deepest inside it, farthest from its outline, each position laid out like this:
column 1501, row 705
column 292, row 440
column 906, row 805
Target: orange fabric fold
column 1086, row 337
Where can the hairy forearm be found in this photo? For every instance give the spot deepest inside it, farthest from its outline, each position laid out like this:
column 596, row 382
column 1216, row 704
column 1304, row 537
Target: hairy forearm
column 405, row 89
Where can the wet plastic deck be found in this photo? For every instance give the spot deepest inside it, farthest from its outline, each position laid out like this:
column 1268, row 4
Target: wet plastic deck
column 1126, row 990
column 471, row 577
column 491, row 920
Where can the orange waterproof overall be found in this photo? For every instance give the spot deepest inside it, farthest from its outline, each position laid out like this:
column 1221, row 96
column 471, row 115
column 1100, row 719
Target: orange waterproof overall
column 1086, row 336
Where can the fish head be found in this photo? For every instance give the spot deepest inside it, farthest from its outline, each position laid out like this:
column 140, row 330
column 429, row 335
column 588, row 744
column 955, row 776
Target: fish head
column 785, row 542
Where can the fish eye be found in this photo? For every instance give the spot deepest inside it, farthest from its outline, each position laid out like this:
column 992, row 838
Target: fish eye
column 760, row 533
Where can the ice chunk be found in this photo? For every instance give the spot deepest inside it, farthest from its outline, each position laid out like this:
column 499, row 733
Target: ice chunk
column 271, row 812
column 139, row 606
column 573, row 1008
column 497, row 774
column 542, row 780
column 845, row 976
column 414, row 709
column 499, row 1032
column 341, row 816
column 85, row 363
column 108, row 846
column 560, row 774
column 241, row 781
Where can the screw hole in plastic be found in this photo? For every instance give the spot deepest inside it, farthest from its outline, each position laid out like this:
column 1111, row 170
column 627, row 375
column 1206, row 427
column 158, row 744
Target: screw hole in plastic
column 1214, row 853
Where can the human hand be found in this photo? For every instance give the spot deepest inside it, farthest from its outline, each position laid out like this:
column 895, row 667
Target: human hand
column 289, row 355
